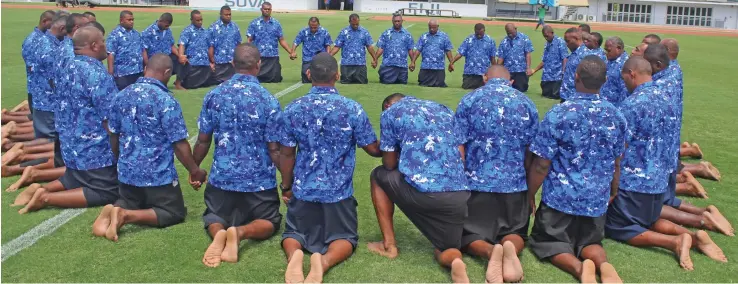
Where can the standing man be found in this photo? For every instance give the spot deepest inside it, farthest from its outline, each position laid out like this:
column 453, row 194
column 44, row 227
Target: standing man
column 265, row 32
column 147, row 125
column 81, row 118
column 552, row 63
column 194, row 44
column 157, row 38
column 29, row 52
column 422, row 172
column 541, row 16
column 321, row 215
column 479, row 50
column 497, row 124
column 514, row 53
column 594, row 43
column 314, row 39
column 353, row 40
column 614, row 89
column 241, row 197
column 125, row 52
column 573, row 38
column 224, row 37
column 433, row 45
column 584, row 136
column 398, row 44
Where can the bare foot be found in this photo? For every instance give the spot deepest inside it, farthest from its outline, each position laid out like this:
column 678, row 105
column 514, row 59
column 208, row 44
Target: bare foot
column 721, row 219
column 698, row 149
column 37, row 202
column 116, row 221
column 378, row 248
column 512, row 270
column 316, row 269
column 681, row 249
column 24, row 197
column 212, row 255
column 458, row 271
column 230, row 253
column 20, row 106
column 709, row 248
column 589, row 273
column 695, row 187
column 28, row 173
column 102, row 222
column 712, row 223
column 608, row 274
column 711, row 171
column 8, row 129
column 12, row 154
column 293, row 274
column 494, row 266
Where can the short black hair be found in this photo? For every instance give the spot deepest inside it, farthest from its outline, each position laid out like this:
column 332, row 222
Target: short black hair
column 592, row 72
column 46, row 14
column 391, row 98
column 193, row 13
column 314, row 19
column 96, row 25
column 246, row 56
column 598, row 37
column 585, row 28
column 88, row 13
column 125, row 12
column 395, row 15
column 72, row 21
column 166, row 17
column 571, row 30
column 353, row 16
column 654, row 36
column 657, row 53
column 323, row 68
column 478, row 27
column 266, row 3
column 225, row 8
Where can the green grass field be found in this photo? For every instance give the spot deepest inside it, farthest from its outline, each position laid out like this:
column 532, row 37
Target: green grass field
column 72, row 254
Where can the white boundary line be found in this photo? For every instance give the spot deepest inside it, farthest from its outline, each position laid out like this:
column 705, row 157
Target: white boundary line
column 29, row 238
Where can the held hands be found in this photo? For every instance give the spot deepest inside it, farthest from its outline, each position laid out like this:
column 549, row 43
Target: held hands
column 293, row 56
column 286, row 193
column 198, row 178
column 530, row 72
column 183, row 59
column 374, row 64
column 532, row 204
column 412, row 66
column 212, row 66
column 450, row 67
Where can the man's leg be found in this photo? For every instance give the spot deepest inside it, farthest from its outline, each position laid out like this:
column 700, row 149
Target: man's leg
column 213, row 252
column 597, row 254
column 256, row 230
column 293, row 251
column 494, row 254
column 32, row 175
column 8, row 117
column 385, row 210
column 120, row 217
column 29, row 136
column 583, row 271
column 706, row 220
column 451, row 259
column 688, row 185
column 699, row 240
column 338, row 251
column 70, row 198
column 702, row 170
column 39, row 164
column 7, row 145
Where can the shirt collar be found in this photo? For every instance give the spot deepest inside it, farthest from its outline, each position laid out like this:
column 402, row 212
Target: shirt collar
column 261, row 18
column 155, row 26
column 580, row 49
column 674, row 62
column 53, row 38
column 661, row 74
column 122, row 29
column 89, row 60
column 498, row 81
column 195, row 27
column 245, row 78
column 152, row 81
column 584, row 96
column 402, row 30
column 35, row 29
column 323, row 90
column 643, row 86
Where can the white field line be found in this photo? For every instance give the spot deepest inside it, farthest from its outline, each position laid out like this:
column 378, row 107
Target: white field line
column 29, row 238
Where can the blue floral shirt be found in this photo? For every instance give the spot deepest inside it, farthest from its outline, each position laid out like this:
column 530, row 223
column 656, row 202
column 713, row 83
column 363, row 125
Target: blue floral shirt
column 572, row 62
column 148, row 120
column 196, row 41
column 47, row 52
column 63, row 59
column 428, row 141
column 513, row 52
column 242, row 116
column 156, row 40
column 224, row 39
column 433, row 49
column 81, row 111
column 326, row 127
column 582, row 137
column 648, row 160
column 312, row 43
column 478, row 53
column 614, row 89
column 353, row 44
column 599, row 52
column 497, row 124
column 668, row 82
column 126, row 46
column 29, row 51
column 396, row 45
column 266, row 35
column 554, row 53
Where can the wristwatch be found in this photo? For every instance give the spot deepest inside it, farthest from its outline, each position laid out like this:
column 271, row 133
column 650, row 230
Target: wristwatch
column 281, row 186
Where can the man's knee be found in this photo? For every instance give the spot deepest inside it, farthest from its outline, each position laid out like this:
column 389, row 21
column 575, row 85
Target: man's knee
column 168, row 218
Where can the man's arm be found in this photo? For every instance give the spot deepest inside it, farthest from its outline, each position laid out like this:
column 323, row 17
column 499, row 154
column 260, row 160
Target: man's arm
column 373, row 53
column 390, row 160
column 286, row 167
column 449, row 55
column 111, row 58
column 145, row 57
column 615, row 184
column 334, row 50
column 184, row 154
column 373, row 150
column 202, row 146
column 462, row 150
column 182, row 56
column 527, row 64
column 539, row 170
column 284, row 45
column 528, row 159
column 175, row 51
column 274, row 152
column 563, row 65
column 211, row 57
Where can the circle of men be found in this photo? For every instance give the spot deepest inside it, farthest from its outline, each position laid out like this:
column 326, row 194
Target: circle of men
column 607, row 156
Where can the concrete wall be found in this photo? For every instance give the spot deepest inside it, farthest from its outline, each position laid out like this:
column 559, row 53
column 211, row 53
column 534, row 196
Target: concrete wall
column 256, row 4
column 389, row 7
column 598, row 8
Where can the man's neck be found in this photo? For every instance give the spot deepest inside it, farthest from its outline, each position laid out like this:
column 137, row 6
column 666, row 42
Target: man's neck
column 41, row 28
column 325, row 85
column 248, row 72
column 266, row 18
column 85, row 52
column 642, row 80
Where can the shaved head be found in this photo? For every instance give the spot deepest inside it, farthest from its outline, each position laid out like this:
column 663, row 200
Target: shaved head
column 658, row 56
column 638, row 65
column 323, row 68
column 651, row 39
column 592, row 72
column 86, row 35
column 433, row 22
column 547, row 29
column 391, row 99
column 246, row 57
column 511, row 30
column 498, row 71
column 672, row 46
column 159, row 63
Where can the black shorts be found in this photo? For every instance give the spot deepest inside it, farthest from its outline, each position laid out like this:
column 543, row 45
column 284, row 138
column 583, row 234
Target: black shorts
column 632, row 214
column 166, row 201
column 550, row 89
column 233, row 208
column 556, row 232
column 439, row 216
column 670, row 198
column 520, row 81
column 58, row 159
column 194, row 77
column 303, row 73
column 100, row 186
column 43, row 125
column 492, row 216
column 124, row 81
column 30, row 106
column 354, row 74
column 223, row 72
column 392, row 75
column 271, row 70
column 176, row 66
column 432, row 78
column 316, row 225
column 470, row 82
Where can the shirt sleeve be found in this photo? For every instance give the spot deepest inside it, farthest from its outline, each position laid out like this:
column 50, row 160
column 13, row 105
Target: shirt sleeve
column 492, row 50
column 172, row 121
column 528, row 45
column 145, row 39
column 286, row 135
column 624, row 134
column 389, row 141
column 207, row 120
column 563, row 52
column 213, row 39
column 102, row 96
column 237, row 36
column 114, row 122
column 419, row 44
column 328, row 40
column 273, row 115
column 111, row 44
column 368, row 40
column 382, row 41
column 340, row 39
column 298, row 38
column 463, row 48
column 409, row 42
column 532, row 125
column 280, row 34
column 363, row 130
column 544, row 143
column 461, row 119
column 447, row 45
column 250, row 31
column 501, row 50
column 184, row 38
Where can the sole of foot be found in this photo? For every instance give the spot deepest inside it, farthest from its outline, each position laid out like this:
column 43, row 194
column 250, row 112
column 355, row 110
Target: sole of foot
column 230, row 252
column 212, row 258
column 608, row 274
column 716, row 224
column 709, row 248
column 112, row 232
column 378, row 248
column 35, row 203
column 712, row 172
column 25, row 196
column 695, row 186
column 294, row 273
column 681, row 249
column 27, row 173
column 589, row 273
column 721, row 219
column 458, row 271
column 494, row 266
column 316, row 269
column 512, row 270
column 101, row 224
